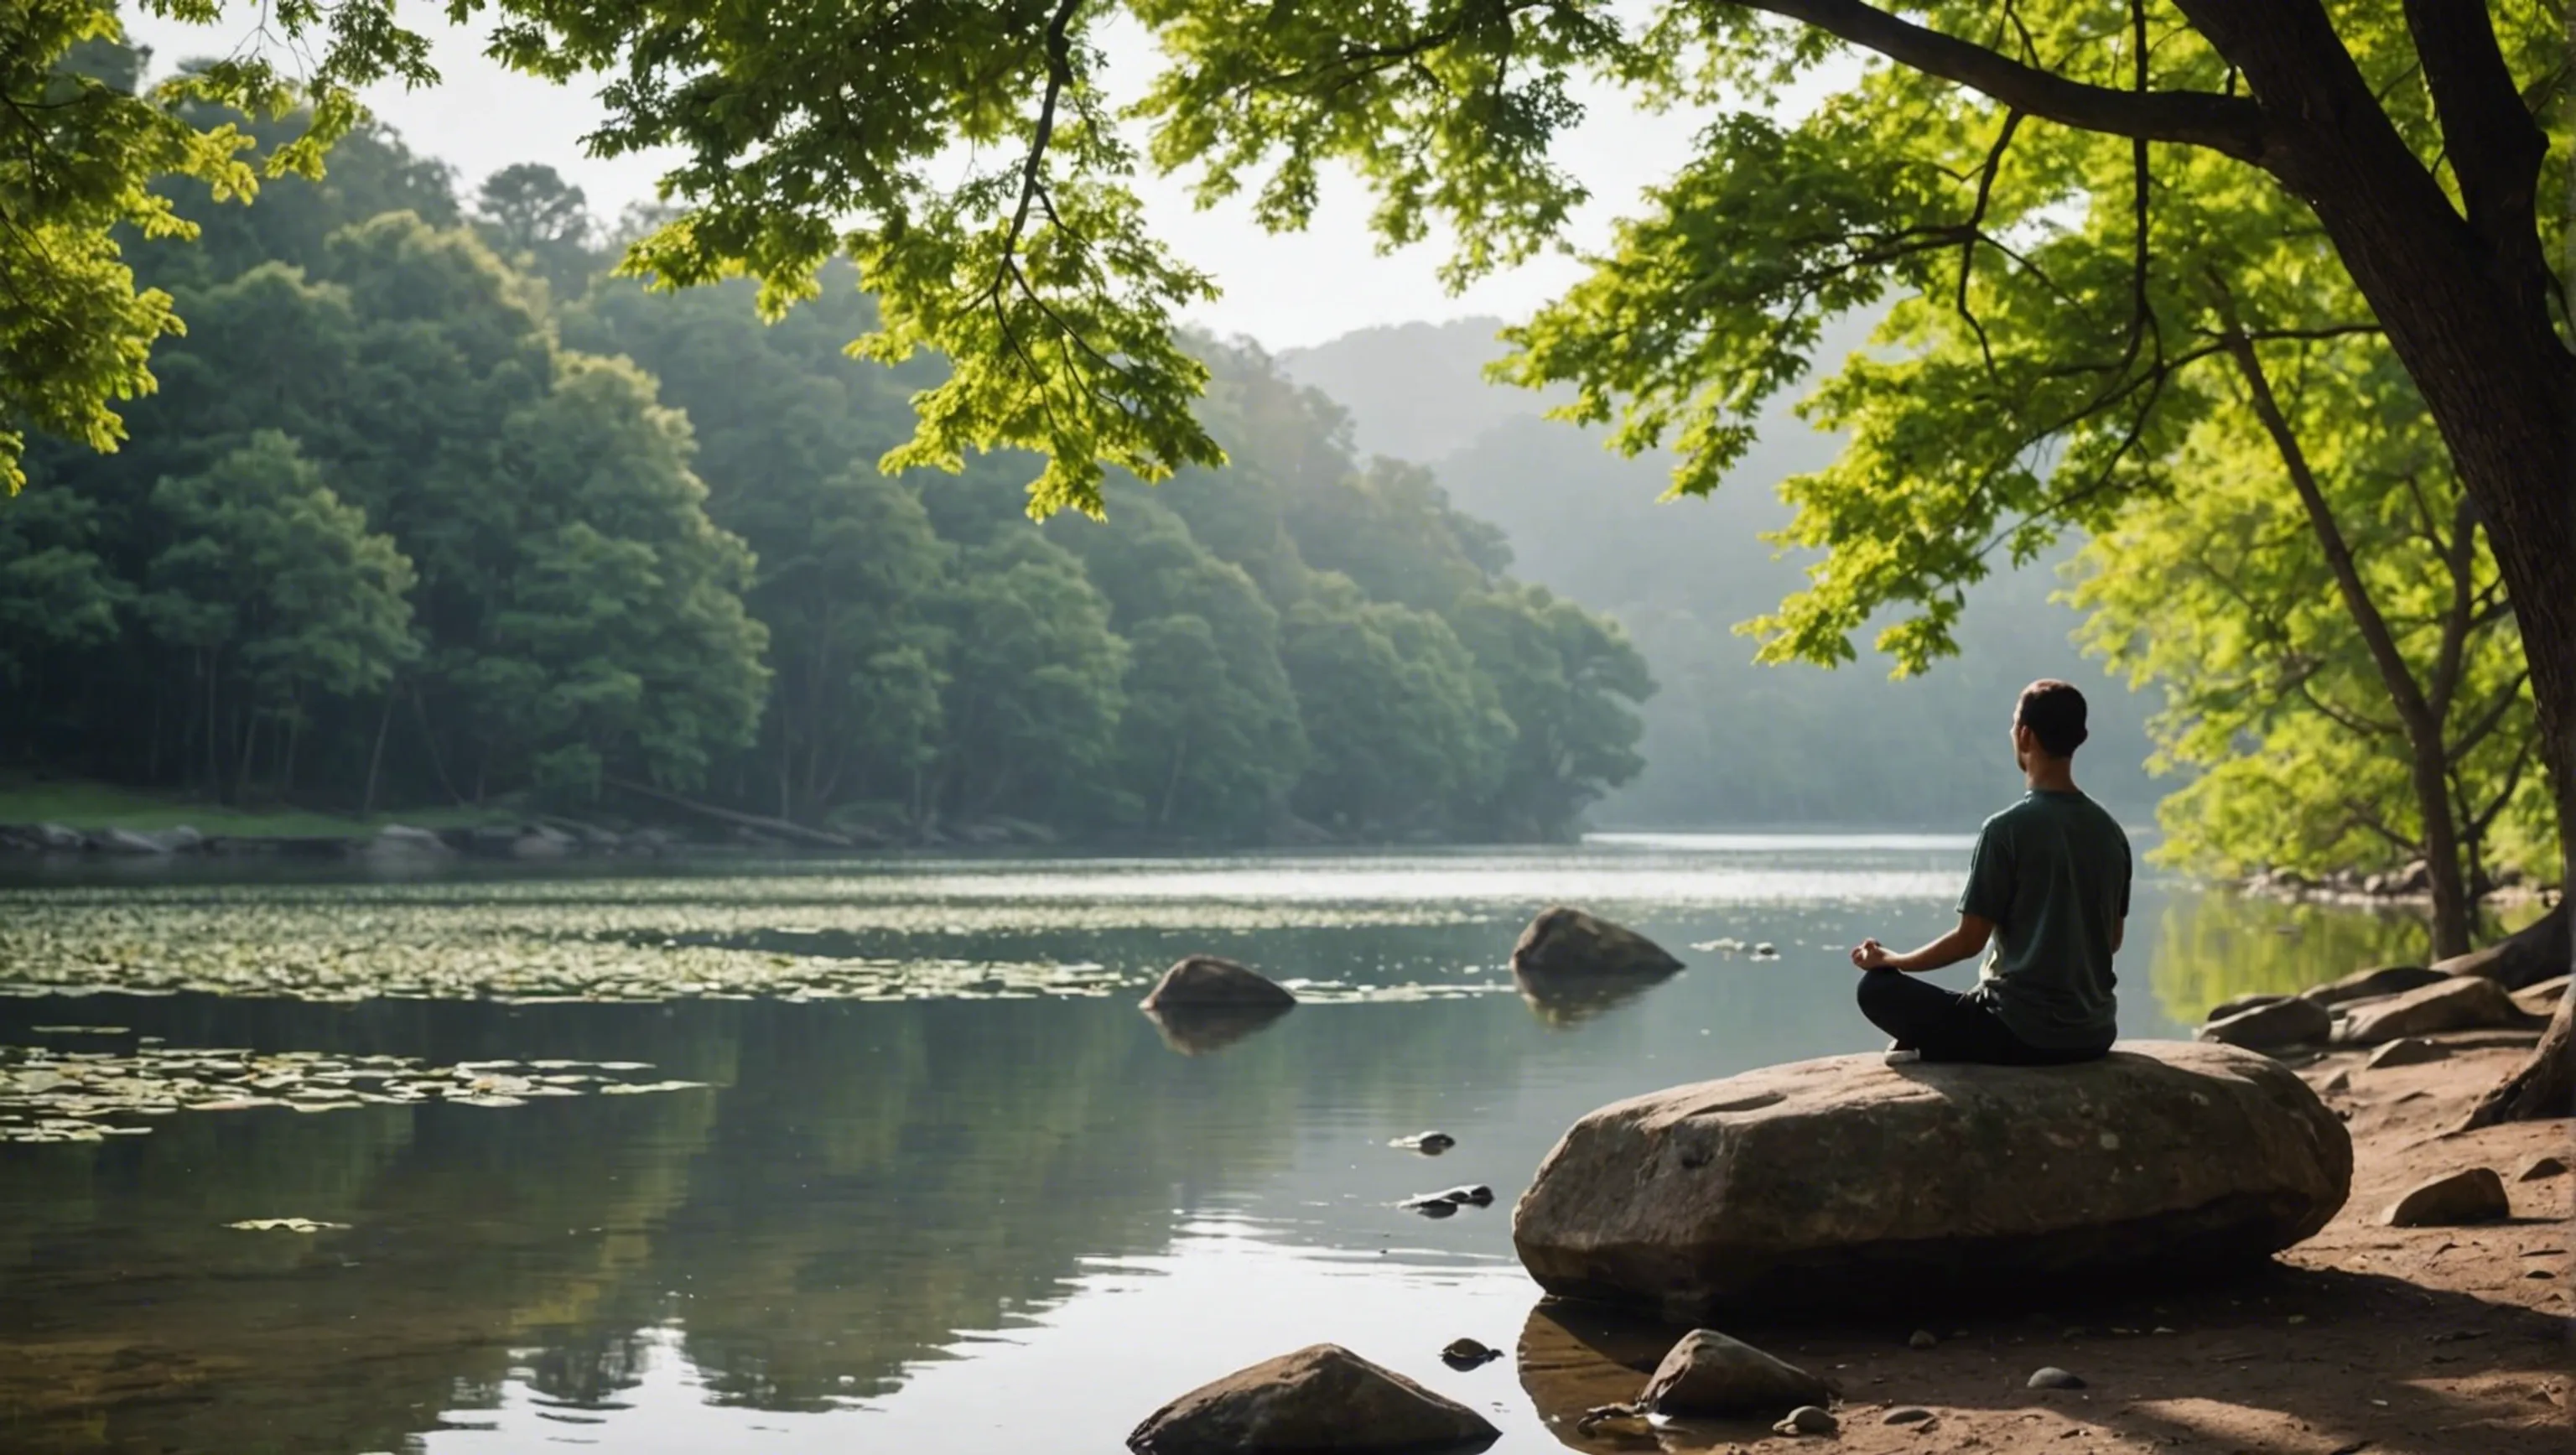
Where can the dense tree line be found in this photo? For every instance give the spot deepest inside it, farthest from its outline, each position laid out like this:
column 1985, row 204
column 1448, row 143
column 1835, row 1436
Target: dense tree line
column 428, row 508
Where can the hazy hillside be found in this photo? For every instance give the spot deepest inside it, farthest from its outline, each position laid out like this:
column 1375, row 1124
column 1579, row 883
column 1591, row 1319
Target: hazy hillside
column 1726, row 741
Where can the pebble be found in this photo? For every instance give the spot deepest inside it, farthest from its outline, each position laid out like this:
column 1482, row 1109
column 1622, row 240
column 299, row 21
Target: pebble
column 2541, row 1168
column 1923, row 1339
column 1910, row 1415
column 1428, row 1143
column 2336, row 1085
column 2409, row 1051
column 1468, row 1353
column 2052, row 1377
column 1806, row 1419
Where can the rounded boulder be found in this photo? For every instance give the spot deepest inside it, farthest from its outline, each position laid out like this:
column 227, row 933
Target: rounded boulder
column 1827, row 1183
column 1206, row 982
column 1322, row 1397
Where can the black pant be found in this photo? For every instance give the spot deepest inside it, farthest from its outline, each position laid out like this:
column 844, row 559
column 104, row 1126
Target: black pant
column 1949, row 1027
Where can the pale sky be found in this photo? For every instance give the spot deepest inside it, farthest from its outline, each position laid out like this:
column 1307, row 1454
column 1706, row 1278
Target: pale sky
column 1285, row 291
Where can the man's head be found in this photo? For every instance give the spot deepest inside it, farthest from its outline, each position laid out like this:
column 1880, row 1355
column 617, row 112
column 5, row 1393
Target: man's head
column 2048, row 722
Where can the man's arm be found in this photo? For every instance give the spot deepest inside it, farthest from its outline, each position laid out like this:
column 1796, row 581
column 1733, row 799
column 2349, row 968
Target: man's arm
column 1968, row 939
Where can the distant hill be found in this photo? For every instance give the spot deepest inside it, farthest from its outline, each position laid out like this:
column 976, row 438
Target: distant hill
column 1726, row 742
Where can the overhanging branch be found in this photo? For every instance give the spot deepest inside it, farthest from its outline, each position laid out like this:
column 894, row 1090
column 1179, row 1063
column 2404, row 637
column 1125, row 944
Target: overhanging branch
column 2229, row 124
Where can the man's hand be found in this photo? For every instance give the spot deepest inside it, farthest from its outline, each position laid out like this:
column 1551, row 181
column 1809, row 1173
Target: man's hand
column 1969, row 938
column 1871, row 955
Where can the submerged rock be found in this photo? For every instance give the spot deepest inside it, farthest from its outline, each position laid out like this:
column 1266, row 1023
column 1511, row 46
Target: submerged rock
column 1465, row 1354
column 1708, row 1373
column 1429, row 1144
column 1321, row 1398
column 1830, row 1182
column 2474, row 1195
column 2287, row 1021
column 1206, row 981
column 1197, row 1030
column 2454, row 1003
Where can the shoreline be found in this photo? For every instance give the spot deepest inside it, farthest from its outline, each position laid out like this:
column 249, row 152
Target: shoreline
column 2365, row 1338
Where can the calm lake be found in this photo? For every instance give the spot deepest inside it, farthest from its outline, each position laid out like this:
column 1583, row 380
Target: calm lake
column 938, row 1186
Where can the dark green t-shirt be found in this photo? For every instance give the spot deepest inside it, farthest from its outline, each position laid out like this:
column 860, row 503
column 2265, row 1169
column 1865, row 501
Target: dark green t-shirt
column 2052, row 872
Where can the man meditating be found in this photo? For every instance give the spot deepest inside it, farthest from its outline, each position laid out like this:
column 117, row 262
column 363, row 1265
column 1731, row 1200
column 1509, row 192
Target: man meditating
column 2049, row 884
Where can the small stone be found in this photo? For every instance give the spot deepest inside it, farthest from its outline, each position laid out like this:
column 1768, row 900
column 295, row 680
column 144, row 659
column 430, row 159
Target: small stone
column 1923, row 1339
column 1766, row 951
column 2408, row 1051
column 1468, row 1354
column 1478, row 1195
column 1430, row 1144
column 1806, row 1419
column 1207, row 980
column 1320, row 1398
column 1708, row 1373
column 1910, row 1415
column 2335, row 1085
column 2474, row 1195
column 1432, row 1207
column 2052, row 1377
column 2541, row 1168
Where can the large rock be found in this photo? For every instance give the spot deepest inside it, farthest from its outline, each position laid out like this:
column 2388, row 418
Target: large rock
column 1568, row 944
column 402, row 841
column 1203, row 982
column 2286, row 1022
column 1708, row 1373
column 1830, row 1182
column 2238, row 1005
column 60, row 837
column 2455, row 1003
column 125, row 841
column 2536, row 952
column 2367, row 984
column 2542, row 999
column 1323, row 1397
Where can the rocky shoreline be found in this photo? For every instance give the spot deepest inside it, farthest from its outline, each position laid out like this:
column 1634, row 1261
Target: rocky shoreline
column 2409, row 887
column 542, row 839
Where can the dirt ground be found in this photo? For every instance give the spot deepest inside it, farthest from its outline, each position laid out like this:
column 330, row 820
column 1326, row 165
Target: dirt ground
column 2392, row 1341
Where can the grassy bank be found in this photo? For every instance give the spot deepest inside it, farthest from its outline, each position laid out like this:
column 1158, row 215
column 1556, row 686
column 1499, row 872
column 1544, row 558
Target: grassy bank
column 85, row 805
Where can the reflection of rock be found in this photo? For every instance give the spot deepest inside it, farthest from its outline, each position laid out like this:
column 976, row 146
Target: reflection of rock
column 1832, row 1181
column 1575, row 1357
column 1207, row 981
column 1323, row 1397
column 1196, row 1030
column 2454, row 1003
column 1571, row 966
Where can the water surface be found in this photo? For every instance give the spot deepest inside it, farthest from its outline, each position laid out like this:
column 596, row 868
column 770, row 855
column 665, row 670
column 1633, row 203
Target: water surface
column 944, row 1188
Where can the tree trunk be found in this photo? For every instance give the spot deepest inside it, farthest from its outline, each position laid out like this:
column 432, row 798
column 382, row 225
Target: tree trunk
column 376, row 755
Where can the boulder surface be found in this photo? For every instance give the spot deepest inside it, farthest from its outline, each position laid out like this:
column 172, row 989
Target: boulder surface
column 1708, row 1373
column 2364, row 984
column 1827, row 1183
column 1205, row 981
column 1323, row 1397
column 2472, row 1195
column 1567, row 943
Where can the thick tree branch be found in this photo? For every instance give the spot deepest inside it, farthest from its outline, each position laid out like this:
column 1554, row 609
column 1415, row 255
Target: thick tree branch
column 2194, row 118
column 2495, row 148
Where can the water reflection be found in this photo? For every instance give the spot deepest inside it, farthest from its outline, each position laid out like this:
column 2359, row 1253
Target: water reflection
column 1199, row 1030
column 954, row 1224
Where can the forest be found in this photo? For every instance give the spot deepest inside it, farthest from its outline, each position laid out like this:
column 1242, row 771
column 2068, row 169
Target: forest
column 428, row 509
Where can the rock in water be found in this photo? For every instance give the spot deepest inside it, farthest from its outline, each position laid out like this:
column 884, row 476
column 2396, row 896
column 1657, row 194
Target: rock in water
column 1708, row 1373
column 1323, row 1397
column 2273, row 1024
column 2409, row 1051
column 1806, row 1419
column 1563, row 943
column 1204, row 981
column 2455, row 1003
column 2472, row 1196
column 1831, row 1181
column 2052, row 1377
column 1429, row 1144
column 1465, row 1354
column 2386, row 980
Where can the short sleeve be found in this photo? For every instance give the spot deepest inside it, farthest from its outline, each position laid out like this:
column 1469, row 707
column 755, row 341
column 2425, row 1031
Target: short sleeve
column 2128, row 866
column 1990, row 875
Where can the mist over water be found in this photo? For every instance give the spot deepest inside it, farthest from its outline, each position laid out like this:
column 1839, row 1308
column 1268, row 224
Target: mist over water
column 945, row 1189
